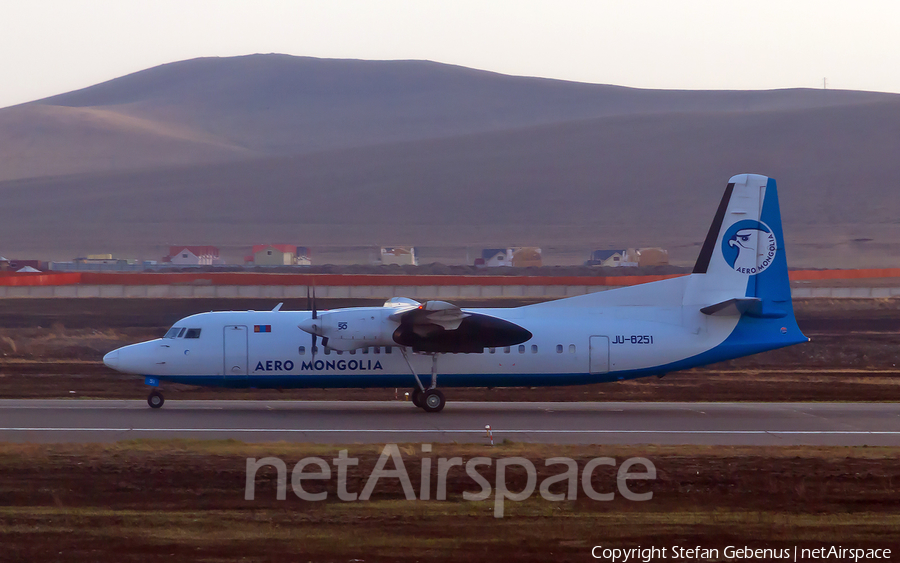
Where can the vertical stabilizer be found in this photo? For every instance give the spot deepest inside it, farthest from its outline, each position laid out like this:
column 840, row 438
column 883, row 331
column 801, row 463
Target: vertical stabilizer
column 743, row 254
column 742, row 272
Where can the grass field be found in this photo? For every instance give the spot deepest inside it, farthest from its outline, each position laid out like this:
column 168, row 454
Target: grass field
column 142, row 500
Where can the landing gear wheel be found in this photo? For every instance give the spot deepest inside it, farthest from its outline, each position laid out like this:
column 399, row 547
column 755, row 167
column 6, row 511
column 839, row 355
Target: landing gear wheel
column 417, row 397
column 155, row 400
column 433, row 401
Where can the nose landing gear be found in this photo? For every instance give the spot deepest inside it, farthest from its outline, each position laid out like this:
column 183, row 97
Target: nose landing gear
column 155, row 400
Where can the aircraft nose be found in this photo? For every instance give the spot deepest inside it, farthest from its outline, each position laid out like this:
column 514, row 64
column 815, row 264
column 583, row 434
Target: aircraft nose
column 112, row 359
column 311, row 325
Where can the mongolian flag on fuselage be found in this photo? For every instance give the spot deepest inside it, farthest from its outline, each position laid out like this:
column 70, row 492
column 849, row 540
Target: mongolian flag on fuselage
column 262, row 328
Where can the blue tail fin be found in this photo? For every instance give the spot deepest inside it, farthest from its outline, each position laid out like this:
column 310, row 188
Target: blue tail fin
column 742, row 269
column 771, row 285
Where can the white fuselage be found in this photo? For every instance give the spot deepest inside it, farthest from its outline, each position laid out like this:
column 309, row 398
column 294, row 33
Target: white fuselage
column 571, row 343
column 729, row 306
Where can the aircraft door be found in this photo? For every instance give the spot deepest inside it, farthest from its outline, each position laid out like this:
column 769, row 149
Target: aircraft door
column 235, row 351
column 599, row 354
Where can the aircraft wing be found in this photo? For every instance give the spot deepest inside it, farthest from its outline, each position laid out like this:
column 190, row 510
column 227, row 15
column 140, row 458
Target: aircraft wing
column 438, row 326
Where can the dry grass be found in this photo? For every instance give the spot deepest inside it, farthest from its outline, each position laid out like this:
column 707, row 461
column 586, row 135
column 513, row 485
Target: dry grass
column 183, row 499
column 10, row 451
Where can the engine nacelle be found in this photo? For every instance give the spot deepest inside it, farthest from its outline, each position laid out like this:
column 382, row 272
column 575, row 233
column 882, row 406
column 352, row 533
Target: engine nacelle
column 350, row 329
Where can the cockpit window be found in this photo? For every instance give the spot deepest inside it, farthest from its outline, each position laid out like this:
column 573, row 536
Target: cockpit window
column 192, row 333
column 173, row 332
column 180, row 334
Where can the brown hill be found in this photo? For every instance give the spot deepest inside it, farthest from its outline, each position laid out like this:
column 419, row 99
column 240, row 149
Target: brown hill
column 228, row 109
column 642, row 179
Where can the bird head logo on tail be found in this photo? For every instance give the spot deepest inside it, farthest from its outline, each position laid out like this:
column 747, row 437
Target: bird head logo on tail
column 749, row 247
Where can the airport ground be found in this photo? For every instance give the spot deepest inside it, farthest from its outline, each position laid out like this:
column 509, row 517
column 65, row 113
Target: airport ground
column 184, row 500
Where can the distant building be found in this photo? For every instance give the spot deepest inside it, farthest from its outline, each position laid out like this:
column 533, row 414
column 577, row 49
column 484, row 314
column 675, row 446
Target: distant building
column 279, row 255
column 303, row 256
column 192, row 256
column 633, row 257
column 8, row 265
column 495, row 257
column 526, row 257
column 610, row 259
column 97, row 259
column 274, row 254
column 401, row 255
column 647, row 257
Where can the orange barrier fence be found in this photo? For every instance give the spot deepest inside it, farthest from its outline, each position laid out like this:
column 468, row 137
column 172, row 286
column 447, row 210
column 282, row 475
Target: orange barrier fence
column 256, row 278
column 263, row 279
column 798, row 275
column 26, row 279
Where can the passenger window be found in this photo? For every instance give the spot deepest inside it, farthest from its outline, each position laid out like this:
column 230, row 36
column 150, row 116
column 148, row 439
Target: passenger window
column 376, row 350
column 534, row 348
column 521, row 348
column 339, row 352
column 506, row 350
column 365, row 350
column 492, row 350
column 571, row 348
column 327, row 351
column 559, row 348
column 352, row 352
column 387, row 349
column 193, row 333
column 303, row 350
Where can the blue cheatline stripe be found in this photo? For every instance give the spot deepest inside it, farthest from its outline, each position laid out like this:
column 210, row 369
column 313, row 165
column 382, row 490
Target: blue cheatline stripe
column 356, row 380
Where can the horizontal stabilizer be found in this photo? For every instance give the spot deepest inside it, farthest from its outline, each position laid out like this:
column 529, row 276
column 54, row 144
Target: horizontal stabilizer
column 731, row 307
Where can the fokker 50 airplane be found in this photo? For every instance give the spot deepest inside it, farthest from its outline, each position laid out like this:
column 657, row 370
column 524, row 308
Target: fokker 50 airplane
column 736, row 302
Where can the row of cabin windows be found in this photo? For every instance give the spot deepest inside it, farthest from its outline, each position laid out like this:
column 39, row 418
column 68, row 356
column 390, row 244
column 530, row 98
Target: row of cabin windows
column 507, row 349
column 387, row 350
column 182, row 332
column 534, row 349
column 374, row 349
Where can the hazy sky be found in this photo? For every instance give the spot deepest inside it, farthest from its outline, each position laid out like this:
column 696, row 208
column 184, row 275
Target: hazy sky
column 51, row 46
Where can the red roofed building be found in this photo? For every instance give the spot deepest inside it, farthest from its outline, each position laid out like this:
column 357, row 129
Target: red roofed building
column 192, row 255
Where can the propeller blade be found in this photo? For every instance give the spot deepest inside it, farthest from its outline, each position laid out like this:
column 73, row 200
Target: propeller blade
column 311, row 305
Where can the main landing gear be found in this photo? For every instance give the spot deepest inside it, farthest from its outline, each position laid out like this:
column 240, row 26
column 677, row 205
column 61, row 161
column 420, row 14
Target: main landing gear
column 156, row 399
column 431, row 399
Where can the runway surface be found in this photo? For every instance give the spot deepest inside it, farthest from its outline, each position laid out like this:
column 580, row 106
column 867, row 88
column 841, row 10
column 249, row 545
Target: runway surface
column 83, row 420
